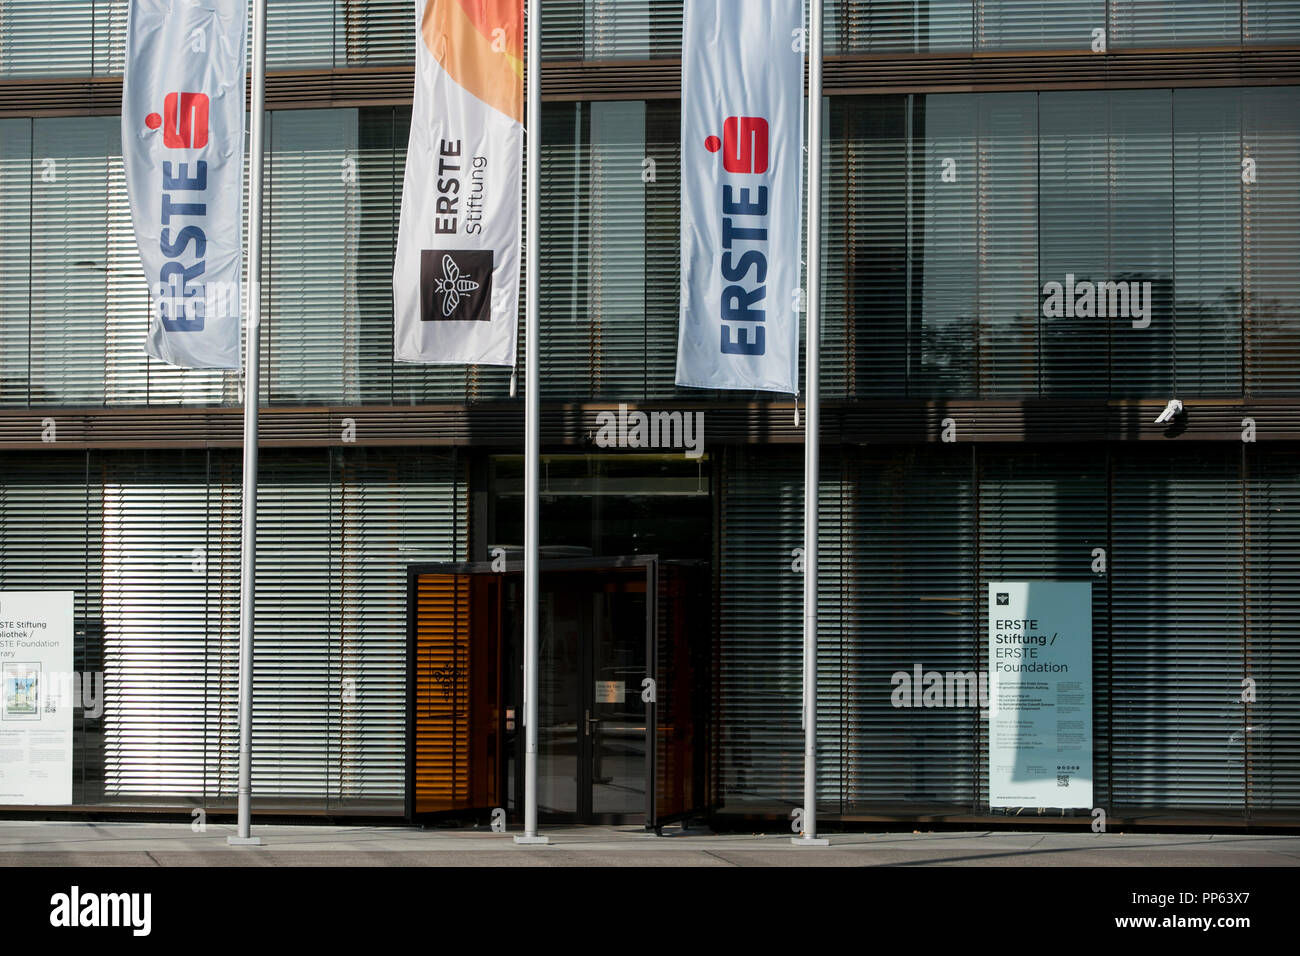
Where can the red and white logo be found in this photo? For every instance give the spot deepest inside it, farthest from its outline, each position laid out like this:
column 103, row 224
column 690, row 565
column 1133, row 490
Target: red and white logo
column 744, row 144
column 185, row 124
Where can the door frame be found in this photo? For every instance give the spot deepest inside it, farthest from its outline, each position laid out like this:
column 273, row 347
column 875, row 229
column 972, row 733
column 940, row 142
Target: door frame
column 650, row 564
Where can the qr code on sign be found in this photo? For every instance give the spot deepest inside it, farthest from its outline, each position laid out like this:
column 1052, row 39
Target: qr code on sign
column 1062, row 779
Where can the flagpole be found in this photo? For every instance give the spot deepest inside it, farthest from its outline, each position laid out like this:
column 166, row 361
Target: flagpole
column 532, row 419
column 812, row 436
column 248, row 526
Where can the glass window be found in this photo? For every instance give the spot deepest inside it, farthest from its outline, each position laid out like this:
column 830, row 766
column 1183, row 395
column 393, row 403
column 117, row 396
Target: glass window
column 15, row 238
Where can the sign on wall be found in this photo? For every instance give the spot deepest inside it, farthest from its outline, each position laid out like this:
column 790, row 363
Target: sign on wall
column 36, row 697
column 1040, row 694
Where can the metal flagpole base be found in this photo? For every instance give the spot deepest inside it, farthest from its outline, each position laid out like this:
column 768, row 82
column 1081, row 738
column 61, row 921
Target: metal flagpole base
column 244, row 841
column 532, row 840
column 809, row 841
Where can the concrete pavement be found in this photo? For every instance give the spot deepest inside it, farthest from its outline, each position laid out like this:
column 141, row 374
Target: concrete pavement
column 175, row 844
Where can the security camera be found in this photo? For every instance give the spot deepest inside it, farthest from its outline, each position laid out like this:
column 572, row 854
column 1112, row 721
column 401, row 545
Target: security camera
column 1175, row 407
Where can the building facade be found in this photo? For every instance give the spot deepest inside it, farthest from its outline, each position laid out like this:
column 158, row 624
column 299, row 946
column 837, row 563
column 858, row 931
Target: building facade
column 987, row 163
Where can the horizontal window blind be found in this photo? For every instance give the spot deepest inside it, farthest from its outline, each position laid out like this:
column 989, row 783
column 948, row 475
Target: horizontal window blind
column 898, row 26
column 1148, row 23
column 75, row 166
column 865, row 275
column 1207, row 242
column 759, row 602
column 1270, row 21
column 49, row 540
column 611, row 29
column 150, row 544
column 1271, row 737
column 38, row 38
column 15, row 257
column 1176, row 659
column 1008, row 222
column 946, row 218
column 932, row 26
column 156, row 589
column 1270, row 156
column 88, row 37
column 1191, row 596
column 895, row 591
column 1041, row 515
column 311, row 260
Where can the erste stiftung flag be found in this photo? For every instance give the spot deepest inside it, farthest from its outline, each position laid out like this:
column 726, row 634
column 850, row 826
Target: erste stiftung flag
column 183, row 149
column 742, row 180
column 456, row 275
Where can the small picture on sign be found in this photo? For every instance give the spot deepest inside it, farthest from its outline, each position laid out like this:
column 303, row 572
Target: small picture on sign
column 1004, row 597
column 22, row 691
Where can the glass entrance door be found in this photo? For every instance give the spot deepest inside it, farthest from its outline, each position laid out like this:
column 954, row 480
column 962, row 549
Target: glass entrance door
column 594, row 729
column 616, row 715
column 593, row 632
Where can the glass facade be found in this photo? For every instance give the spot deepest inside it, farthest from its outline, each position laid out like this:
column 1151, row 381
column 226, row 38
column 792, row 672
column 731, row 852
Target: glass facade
column 954, row 215
column 1007, row 262
column 88, row 37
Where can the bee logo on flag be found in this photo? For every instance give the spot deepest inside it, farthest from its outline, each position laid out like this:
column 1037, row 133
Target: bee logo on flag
column 456, row 285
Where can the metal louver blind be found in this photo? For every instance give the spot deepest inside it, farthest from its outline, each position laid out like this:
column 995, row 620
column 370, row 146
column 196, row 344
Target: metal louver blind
column 895, row 593
column 153, row 540
column 391, row 510
column 948, row 235
column 865, row 298
column 156, row 588
column 1272, row 731
column 48, row 541
column 900, row 26
column 379, row 193
column 87, row 37
column 611, row 29
column 298, row 33
column 1270, row 21
column 70, row 259
column 759, row 744
column 1104, row 150
column 1148, row 23
column 294, row 686
column 1271, row 240
column 594, row 321
column 1007, row 216
column 46, row 38
column 663, row 264
column 1041, row 514
column 15, row 249
column 1037, row 24
column 312, row 247
column 1176, row 654
column 1207, row 242
column 371, row 32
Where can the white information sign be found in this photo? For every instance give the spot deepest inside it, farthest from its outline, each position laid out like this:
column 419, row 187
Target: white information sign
column 1040, row 694
column 37, row 688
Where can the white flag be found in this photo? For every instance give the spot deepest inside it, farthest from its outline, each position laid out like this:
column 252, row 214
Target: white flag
column 456, row 278
column 183, row 149
column 742, row 179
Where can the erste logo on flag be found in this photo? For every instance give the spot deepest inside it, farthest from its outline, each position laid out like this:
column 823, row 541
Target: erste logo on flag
column 186, row 119
column 181, row 307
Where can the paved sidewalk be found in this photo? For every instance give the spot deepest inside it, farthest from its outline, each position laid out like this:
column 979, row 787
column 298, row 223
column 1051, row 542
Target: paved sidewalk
column 161, row 844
